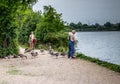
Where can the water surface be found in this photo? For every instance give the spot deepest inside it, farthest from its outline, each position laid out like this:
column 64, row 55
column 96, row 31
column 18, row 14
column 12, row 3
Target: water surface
column 102, row 45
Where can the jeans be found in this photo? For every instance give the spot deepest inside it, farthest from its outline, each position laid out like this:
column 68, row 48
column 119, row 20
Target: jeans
column 71, row 49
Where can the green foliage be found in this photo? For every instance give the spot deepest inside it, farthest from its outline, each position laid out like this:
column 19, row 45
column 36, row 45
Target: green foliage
column 8, row 11
column 48, row 27
column 29, row 24
column 107, row 24
column 111, row 66
column 42, row 46
column 94, row 27
column 51, row 29
column 62, row 49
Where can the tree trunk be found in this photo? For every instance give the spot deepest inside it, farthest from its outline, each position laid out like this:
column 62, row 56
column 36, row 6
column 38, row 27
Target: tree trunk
column 5, row 42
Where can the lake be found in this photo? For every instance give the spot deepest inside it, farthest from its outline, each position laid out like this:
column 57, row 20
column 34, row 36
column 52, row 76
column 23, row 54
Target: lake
column 102, row 45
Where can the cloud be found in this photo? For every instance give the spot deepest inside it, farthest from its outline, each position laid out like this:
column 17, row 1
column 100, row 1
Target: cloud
column 91, row 11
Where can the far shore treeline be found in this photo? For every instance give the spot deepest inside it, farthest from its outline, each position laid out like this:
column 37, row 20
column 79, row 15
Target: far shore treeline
column 108, row 26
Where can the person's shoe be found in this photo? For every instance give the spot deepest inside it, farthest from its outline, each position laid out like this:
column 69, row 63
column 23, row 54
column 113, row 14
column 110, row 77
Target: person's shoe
column 73, row 57
column 68, row 57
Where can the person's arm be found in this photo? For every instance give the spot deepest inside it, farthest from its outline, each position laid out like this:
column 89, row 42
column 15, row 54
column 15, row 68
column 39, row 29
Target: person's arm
column 30, row 36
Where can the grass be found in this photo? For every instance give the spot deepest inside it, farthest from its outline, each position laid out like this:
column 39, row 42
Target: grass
column 14, row 71
column 110, row 66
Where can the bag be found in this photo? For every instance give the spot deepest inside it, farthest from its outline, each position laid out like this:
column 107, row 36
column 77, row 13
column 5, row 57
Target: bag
column 34, row 40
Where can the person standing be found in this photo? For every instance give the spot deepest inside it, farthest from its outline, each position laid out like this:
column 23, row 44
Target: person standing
column 71, row 42
column 31, row 40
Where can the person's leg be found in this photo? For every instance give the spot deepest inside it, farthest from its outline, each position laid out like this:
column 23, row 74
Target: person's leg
column 33, row 46
column 72, row 49
column 30, row 45
column 69, row 49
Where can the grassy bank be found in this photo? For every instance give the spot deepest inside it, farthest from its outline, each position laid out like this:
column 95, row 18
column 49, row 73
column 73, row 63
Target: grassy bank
column 110, row 66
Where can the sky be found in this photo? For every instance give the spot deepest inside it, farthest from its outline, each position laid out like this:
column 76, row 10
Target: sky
column 85, row 11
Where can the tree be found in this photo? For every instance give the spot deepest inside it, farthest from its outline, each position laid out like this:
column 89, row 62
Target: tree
column 79, row 24
column 8, row 9
column 107, row 25
column 118, row 26
column 98, row 27
column 85, row 25
column 94, row 27
column 73, row 25
column 28, row 25
column 51, row 28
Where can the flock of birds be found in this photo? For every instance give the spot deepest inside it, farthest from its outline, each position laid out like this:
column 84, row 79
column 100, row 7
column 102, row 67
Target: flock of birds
column 35, row 54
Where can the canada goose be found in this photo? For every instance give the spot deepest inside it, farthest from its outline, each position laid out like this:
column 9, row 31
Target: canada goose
column 34, row 54
column 51, row 51
column 27, row 50
column 41, row 50
column 63, row 54
column 22, row 56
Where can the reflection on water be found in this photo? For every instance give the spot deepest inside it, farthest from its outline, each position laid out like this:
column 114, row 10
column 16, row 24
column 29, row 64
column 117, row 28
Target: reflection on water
column 102, row 45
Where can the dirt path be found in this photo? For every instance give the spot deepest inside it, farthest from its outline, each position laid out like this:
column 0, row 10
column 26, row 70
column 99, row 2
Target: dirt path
column 45, row 69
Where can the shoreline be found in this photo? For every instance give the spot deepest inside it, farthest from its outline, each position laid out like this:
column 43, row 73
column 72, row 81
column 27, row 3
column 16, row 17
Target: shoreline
column 111, row 66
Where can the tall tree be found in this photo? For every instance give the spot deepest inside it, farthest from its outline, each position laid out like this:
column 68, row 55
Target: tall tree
column 51, row 29
column 8, row 11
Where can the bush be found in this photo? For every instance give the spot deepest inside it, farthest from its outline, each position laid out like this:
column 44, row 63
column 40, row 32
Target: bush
column 9, row 50
column 51, row 29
